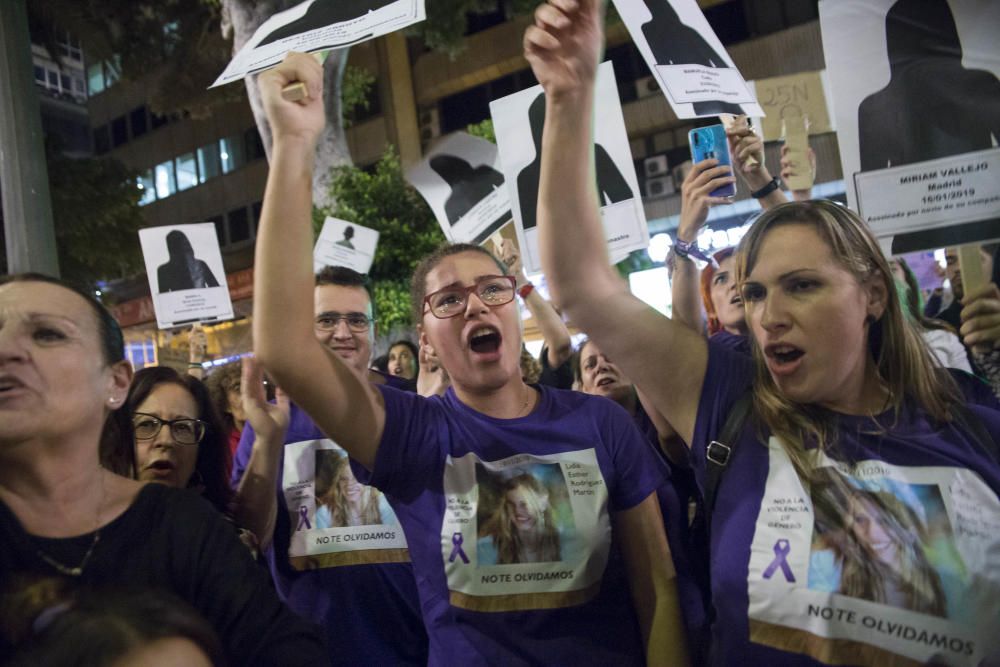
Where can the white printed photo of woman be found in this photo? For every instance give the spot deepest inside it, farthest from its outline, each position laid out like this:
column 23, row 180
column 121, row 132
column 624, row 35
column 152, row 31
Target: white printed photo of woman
column 341, row 500
column 523, row 515
column 891, row 545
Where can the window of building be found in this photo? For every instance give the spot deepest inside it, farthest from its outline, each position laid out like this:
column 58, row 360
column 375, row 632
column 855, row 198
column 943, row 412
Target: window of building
column 254, row 145
column 187, row 171
column 112, row 71
column 95, row 78
column 231, row 153
column 239, row 225
column 119, row 131
column 137, row 119
column 487, row 18
column 65, row 83
column 39, row 74
column 166, row 183
column 53, row 79
column 220, row 229
column 157, row 120
column 209, row 165
column 256, row 209
column 102, row 140
column 147, row 187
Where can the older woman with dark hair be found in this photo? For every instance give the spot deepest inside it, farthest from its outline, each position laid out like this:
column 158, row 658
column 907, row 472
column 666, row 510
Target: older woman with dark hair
column 62, row 373
column 178, row 437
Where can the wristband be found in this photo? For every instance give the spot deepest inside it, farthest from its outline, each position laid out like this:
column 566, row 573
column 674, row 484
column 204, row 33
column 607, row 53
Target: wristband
column 685, row 248
column 524, row 290
column 767, row 189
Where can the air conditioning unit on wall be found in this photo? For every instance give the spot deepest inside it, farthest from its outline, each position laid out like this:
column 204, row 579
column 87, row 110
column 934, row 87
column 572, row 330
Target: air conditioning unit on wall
column 680, row 172
column 646, row 87
column 660, row 186
column 429, row 121
column 655, row 165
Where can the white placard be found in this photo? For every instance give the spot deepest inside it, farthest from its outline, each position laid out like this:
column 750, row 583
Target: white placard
column 320, row 25
column 916, row 95
column 186, row 277
column 462, row 181
column 689, row 62
column 964, row 188
column 518, row 121
column 343, row 243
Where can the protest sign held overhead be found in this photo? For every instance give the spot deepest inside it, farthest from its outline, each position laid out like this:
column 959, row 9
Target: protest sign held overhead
column 320, row 25
column 917, row 99
column 185, row 272
column 462, row 181
column 343, row 243
column 689, row 62
column 518, row 120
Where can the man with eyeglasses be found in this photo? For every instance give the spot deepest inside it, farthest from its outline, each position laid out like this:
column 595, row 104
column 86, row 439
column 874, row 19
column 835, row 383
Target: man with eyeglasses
column 353, row 578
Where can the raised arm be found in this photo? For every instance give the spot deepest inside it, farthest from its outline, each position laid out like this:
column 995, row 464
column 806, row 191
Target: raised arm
column 557, row 339
column 254, row 505
column 696, row 200
column 666, row 359
column 343, row 404
column 744, row 144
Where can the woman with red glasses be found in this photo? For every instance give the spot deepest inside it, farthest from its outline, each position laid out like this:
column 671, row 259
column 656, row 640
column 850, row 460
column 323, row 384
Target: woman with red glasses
column 446, row 462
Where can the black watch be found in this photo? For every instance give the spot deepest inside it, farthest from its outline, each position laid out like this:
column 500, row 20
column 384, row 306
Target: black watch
column 767, row 189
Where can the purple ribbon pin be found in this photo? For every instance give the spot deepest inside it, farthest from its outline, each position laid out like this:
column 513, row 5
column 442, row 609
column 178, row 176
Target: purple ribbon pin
column 304, row 518
column 456, row 549
column 781, row 549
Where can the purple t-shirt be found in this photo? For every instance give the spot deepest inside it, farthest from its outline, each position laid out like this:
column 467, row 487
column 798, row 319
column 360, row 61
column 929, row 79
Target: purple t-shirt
column 891, row 553
column 509, row 525
column 732, row 341
column 351, row 577
column 675, row 495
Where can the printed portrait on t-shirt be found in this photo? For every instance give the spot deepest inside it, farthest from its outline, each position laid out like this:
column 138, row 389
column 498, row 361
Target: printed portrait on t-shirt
column 341, row 500
column 884, row 541
column 870, row 563
column 525, row 532
column 524, row 515
column 334, row 519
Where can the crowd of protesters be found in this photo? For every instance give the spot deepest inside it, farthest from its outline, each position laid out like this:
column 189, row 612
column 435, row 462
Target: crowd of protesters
column 458, row 499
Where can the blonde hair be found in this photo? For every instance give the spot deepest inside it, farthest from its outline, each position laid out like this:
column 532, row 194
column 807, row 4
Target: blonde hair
column 334, row 498
column 865, row 576
column 506, row 538
column 902, row 362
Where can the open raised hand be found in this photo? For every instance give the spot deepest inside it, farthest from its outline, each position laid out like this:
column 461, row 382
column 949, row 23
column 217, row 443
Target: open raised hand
column 269, row 420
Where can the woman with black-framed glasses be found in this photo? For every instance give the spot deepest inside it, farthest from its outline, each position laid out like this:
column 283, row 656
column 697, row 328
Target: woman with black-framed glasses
column 176, row 434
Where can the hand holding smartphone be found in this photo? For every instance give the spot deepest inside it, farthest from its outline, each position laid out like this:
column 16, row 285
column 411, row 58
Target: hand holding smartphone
column 710, row 143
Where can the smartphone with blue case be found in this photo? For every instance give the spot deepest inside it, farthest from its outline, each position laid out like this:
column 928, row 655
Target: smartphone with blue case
column 710, row 142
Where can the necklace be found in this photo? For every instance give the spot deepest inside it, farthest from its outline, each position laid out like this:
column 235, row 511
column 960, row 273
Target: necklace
column 78, row 570
column 527, row 399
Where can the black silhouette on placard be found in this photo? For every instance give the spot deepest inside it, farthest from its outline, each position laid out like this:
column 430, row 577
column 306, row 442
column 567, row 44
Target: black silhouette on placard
column 469, row 185
column 611, row 185
column 323, row 13
column 346, row 241
column 675, row 43
column 182, row 270
column 932, row 107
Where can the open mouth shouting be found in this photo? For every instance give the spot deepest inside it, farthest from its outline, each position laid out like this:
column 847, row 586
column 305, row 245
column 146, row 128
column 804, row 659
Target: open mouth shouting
column 606, row 381
column 160, row 469
column 783, row 358
column 484, row 341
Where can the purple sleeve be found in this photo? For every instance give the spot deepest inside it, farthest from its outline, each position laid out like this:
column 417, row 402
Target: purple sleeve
column 728, row 376
column 638, row 470
column 242, row 457
column 411, row 452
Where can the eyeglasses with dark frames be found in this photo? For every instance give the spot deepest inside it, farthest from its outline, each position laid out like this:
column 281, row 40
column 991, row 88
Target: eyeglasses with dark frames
column 356, row 322
column 494, row 291
column 184, row 431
